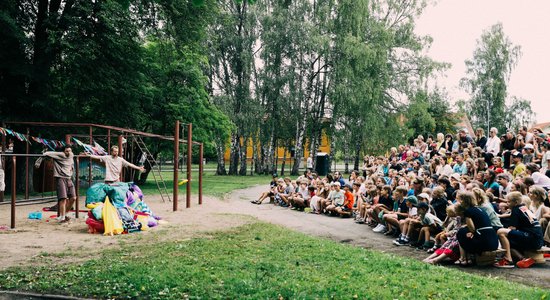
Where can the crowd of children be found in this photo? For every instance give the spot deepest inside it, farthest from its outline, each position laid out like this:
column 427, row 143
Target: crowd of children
column 450, row 196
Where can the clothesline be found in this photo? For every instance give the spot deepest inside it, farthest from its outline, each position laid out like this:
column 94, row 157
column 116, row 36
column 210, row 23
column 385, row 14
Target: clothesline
column 96, row 149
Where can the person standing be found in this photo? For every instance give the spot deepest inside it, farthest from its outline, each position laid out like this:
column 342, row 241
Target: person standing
column 114, row 164
column 63, row 163
column 309, row 162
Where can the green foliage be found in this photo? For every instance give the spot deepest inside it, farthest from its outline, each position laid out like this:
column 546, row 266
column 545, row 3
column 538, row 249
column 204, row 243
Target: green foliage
column 488, row 74
column 419, row 119
column 258, row 261
column 519, row 113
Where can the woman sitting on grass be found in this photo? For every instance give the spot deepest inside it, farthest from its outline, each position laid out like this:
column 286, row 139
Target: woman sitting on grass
column 523, row 233
column 478, row 235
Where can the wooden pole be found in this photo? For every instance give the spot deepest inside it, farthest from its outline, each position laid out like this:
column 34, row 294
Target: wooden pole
column 189, row 156
column 77, row 186
column 27, row 166
column 176, row 161
column 108, row 141
column 120, row 154
column 201, row 167
column 3, row 162
column 90, row 160
column 13, row 191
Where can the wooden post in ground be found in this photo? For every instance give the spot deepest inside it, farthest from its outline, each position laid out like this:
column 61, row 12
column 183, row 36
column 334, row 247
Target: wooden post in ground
column 201, row 167
column 13, row 191
column 176, row 161
column 189, row 156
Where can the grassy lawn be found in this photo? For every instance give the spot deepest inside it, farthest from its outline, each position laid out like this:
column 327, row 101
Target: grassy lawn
column 258, row 261
column 212, row 184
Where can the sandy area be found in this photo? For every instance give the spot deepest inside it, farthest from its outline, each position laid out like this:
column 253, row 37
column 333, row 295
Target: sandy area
column 40, row 241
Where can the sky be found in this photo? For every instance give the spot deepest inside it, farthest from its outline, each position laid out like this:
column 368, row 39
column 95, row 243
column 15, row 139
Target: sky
column 455, row 25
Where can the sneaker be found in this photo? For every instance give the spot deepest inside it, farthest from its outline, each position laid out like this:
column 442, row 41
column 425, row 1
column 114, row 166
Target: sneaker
column 401, row 242
column 525, row 263
column 504, row 263
column 380, row 228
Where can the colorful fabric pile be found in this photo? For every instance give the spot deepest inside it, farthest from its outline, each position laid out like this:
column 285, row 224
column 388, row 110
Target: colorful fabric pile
column 118, row 208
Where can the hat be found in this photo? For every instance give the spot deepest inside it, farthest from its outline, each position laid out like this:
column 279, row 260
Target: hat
column 424, row 196
column 275, row 175
column 455, row 176
column 517, row 155
column 412, row 199
column 528, row 146
column 335, row 184
column 423, row 205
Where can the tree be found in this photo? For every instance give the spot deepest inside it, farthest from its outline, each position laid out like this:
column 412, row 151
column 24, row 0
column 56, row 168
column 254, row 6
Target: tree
column 518, row 113
column 488, row 73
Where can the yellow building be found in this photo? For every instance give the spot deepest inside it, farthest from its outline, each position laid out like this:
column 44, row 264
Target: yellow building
column 323, row 147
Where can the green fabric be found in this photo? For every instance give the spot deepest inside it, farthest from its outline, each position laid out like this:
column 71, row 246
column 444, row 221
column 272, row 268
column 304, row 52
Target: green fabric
column 96, row 193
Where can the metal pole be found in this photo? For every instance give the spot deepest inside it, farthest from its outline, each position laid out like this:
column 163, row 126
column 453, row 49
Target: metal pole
column 176, row 159
column 201, row 167
column 77, row 186
column 108, row 140
column 13, row 192
column 189, row 155
column 3, row 162
column 27, row 167
column 120, row 153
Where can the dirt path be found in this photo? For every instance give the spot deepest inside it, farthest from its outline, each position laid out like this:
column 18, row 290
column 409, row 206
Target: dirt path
column 36, row 242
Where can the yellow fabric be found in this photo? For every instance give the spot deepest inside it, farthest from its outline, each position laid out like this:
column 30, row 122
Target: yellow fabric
column 111, row 220
column 144, row 220
column 93, row 205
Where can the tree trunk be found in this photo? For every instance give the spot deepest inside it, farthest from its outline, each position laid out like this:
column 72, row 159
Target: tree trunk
column 220, row 152
column 234, row 157
column 242, row 170
column 283, row 164
column 357, row 154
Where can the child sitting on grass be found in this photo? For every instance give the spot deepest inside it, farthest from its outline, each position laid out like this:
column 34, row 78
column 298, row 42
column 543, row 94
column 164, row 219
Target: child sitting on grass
column 346, row 208
column 399, row 212
column 365, row 204
column 431, row 225
column 407, row 225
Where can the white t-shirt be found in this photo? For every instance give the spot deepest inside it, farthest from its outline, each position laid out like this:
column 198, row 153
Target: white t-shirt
column 113, row 166
column 541, row 180
column 493, row 145
column 545, row 158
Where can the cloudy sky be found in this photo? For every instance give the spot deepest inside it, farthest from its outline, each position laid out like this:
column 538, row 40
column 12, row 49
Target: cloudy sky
column 455, row 25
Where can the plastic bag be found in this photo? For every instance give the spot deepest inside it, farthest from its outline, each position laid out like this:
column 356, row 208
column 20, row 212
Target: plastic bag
column 98, row 212
column 96, row 193
column 111, row 220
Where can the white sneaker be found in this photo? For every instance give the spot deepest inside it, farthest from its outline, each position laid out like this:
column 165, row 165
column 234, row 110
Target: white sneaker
column 375, row 229
column 381, row 229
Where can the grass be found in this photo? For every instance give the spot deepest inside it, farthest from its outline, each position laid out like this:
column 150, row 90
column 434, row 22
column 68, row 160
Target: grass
column 213, row 185
column 258, row 261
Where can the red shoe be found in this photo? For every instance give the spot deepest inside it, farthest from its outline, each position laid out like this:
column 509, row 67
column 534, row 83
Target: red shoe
column 546, row 255
column 504, row 263
column 525, row 263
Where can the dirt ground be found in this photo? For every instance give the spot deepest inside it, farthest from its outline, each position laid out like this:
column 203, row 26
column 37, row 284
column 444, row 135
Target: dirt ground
column 46, row 241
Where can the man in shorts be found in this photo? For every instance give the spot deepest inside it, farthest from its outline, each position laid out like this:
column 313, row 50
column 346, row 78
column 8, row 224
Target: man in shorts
column 114, row 165
column 63, row 163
